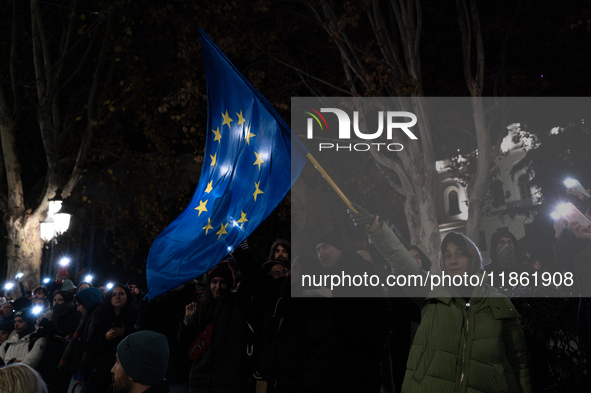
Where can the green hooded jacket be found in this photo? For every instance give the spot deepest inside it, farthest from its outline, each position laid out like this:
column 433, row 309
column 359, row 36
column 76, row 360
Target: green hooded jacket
column 460, row 346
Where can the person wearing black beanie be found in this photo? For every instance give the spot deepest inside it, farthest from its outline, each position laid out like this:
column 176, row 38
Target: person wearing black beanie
column 142, row 360
column 17, row 348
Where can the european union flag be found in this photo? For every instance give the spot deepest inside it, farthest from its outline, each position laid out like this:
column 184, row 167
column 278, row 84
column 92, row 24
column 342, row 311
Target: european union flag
column 247, row 170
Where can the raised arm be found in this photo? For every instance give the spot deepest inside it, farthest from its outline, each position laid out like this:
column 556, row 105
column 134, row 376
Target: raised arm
column 388, row 244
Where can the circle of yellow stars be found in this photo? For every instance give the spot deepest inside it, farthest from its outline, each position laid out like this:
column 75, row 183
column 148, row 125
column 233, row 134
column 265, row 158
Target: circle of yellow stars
column 227, row 120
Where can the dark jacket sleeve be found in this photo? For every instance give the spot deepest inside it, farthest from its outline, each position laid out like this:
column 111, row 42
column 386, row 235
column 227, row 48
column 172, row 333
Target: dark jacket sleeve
column 188, row 331
column 96, row 336
column 251, row 282
column 85, row 365
column 517, row 355
column 566, row 248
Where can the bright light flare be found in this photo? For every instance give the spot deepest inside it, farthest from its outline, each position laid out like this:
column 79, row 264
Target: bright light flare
column 110, row 285
column 88, row 278
column 46, row 280
column 64, row 261
column 8, row 286
column 570, row 183
column 19, row 275
column 37, row 310
column 563, row 209
column 555, row 215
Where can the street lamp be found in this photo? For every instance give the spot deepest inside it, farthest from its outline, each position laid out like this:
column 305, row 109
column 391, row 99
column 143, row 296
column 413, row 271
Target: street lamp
column 56, row 223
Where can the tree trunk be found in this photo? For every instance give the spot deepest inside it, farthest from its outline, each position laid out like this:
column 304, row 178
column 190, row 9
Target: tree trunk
column 25, row 247
column 479, row 183
column 423, row 225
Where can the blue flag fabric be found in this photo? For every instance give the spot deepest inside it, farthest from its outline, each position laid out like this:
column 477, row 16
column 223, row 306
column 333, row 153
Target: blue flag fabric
column 247, row 170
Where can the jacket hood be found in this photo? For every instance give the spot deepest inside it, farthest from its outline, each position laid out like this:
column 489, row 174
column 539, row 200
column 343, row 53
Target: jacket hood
column 467, row 246
column 91, row 297
column 494, row 240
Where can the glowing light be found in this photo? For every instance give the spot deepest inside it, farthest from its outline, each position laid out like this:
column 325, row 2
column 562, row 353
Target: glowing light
column 64, row 261
column 555, row 131
column 19, row 275
column 61, row 222
column 47, row 230
column 46, row 280
column 110, row 285
column 88, row 278
column 555, row 215
column 8, row 286
column 570, row 183
column 563, row 209
column 37, row 310
column 54, row 207
column 229, row 249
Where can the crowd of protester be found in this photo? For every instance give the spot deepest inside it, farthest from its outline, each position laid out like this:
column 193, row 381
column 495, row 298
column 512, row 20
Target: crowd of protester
column 239, row 329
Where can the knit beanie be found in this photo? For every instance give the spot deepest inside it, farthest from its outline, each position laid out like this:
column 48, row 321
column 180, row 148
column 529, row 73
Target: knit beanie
column 144, row 356
column 90, row 297
column 333, row 239
column 68, row 285
column 28, row 316
column 21, row 303
column 224, row 271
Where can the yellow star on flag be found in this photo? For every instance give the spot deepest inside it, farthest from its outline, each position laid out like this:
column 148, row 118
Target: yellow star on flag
column 222, row 231
column 227, row 119
column 242, row 219
column 201, row 207
column 259, row 160
column 240, row 118
column 257, row 191
column 248, row 135
column 217, row 134
column 209, row 187
column 208, row 226
column 213, row 158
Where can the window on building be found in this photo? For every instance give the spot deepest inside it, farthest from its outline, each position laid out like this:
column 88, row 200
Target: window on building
column 453, row 203
column 497, row 193
column 524, row 189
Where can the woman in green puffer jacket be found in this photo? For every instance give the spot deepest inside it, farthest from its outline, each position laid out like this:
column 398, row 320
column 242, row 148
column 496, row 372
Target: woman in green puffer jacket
column 470, row 338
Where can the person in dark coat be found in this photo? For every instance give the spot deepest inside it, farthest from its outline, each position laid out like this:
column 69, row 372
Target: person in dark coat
column 75, row 360
column 362, row 322
column 58, row 329
column 295, row 348
column 222, row 366
column 163, row 315
column 115, row 319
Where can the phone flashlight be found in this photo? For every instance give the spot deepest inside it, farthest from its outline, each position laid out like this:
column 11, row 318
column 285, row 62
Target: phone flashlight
column 571, row 213
column 573, row 183
column 18, row 275
column 63, row 270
